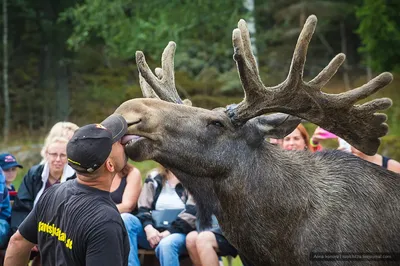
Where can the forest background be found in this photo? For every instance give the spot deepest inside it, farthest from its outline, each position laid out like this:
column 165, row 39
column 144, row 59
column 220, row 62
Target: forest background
column 74, row 60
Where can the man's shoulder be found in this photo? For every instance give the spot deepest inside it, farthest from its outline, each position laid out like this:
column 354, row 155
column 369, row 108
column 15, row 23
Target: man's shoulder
column 95, row 203
column 102, row 218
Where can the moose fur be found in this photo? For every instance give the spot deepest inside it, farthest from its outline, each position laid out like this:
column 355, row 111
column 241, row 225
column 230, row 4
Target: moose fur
column 275, row 206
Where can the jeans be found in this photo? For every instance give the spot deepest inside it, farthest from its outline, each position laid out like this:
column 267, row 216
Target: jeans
column 167, row 251
column 4, row 232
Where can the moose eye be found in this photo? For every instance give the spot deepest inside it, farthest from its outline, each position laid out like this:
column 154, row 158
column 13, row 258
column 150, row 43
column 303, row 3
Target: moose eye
column 217, row 123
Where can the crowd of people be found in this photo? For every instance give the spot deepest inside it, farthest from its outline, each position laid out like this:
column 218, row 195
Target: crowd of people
column 100, row 202
column 299, row 139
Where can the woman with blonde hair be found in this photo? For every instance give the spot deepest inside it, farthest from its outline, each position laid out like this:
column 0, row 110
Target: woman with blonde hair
column 61, row 129
column 38, row 179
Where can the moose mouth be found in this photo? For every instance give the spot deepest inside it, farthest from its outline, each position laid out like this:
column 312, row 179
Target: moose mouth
column 130, row 139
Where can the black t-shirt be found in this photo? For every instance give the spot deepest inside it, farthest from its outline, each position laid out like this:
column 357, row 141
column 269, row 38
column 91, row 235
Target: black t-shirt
column 74, row 224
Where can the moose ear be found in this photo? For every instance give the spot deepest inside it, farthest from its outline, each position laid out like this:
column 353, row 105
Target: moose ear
column 276, row 125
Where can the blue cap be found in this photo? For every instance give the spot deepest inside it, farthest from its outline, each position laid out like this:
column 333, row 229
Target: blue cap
column 8, row 161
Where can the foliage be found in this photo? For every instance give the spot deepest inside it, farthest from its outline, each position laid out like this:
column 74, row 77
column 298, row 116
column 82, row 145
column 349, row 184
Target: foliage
column 380, row 33
column 99, row 72
column 127, row 25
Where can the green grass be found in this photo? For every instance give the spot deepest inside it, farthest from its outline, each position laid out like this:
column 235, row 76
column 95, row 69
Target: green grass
column 144, row 167
column 235, row 262
column 20, row 175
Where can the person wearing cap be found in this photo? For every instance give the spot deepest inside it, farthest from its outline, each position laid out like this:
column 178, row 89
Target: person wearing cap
column 10, row 168
column 5, row 211
column 76, row 222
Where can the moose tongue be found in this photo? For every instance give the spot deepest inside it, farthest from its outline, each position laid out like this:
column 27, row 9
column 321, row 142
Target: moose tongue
column 125, row 139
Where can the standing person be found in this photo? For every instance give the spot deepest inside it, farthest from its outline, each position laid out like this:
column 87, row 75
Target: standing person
column 76, row 222
column 10, row 167
column 5, row 211
column 161, row 193
column 299, row 140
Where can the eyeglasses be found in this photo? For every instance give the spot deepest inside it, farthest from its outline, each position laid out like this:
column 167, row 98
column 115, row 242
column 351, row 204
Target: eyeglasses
column 54, row 156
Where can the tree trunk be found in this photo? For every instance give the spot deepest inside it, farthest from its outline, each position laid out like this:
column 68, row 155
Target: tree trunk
column 45, row 82
column 62, row 92
column 302, row 18
column 7, row 107
column 369, row 71
column 346, row 79
column 251, row 24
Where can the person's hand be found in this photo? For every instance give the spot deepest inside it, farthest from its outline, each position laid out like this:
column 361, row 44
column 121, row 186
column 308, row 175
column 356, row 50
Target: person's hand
column 317, row 137
column 153, row 235
column 320, row 134
column 165, row 234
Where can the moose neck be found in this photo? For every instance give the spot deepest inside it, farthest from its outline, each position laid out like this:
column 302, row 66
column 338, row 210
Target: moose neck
column 268, row 173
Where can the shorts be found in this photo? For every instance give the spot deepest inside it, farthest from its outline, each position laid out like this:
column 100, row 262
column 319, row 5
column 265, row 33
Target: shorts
column 225, row 248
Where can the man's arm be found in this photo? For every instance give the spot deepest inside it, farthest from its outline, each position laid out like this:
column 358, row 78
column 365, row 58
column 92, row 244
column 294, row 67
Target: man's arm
column 22, row 241
column 108, row 245
column 18, row 251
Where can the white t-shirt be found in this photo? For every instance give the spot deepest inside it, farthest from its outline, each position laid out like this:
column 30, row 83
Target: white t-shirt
column 169, row 199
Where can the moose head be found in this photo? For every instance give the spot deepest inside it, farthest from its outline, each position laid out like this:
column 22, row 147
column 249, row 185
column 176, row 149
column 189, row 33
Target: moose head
column 275, row 206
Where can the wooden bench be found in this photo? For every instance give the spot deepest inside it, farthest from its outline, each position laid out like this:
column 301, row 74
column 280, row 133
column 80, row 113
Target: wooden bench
column 148, row 258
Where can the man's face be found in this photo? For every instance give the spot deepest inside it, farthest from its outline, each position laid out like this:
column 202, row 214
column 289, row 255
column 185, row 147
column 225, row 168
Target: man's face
column 10, row 174
column 118, row 156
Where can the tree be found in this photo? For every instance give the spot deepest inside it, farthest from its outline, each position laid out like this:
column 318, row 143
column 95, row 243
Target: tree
column 126, row 26
column 7, row 107
column 284, row 20
column 379, row 30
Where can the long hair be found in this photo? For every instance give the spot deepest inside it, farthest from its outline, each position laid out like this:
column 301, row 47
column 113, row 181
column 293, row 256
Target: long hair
column 305, row 136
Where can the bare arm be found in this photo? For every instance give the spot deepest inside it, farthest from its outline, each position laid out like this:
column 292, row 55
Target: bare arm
column 131, row 192
column 394, row 166
column 18, row 251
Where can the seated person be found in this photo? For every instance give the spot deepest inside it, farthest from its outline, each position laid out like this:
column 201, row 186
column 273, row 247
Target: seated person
column 125, row 189
column 378, row 159
column 5, row 211
column 10, row 168
column 203, row 246
column 60, row 129
column 161, row 191
column 39, row 178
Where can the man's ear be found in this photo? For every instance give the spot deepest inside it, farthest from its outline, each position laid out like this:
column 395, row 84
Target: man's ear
column 110, row 165
column 276, row 125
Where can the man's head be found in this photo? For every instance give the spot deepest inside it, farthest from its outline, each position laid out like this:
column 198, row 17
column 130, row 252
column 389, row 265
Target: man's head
column 96, row 148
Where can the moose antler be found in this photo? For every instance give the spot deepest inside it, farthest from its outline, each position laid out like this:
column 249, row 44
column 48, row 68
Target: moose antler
column 358, row 124
column 162, row 84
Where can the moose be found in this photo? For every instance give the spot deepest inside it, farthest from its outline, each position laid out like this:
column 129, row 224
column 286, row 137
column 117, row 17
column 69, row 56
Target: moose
column 276, row 207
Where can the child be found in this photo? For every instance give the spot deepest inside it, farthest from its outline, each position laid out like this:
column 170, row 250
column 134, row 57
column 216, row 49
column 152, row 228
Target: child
column 10, row 166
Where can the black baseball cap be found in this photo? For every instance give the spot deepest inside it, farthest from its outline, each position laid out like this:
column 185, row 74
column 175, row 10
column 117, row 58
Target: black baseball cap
column 91, row 145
